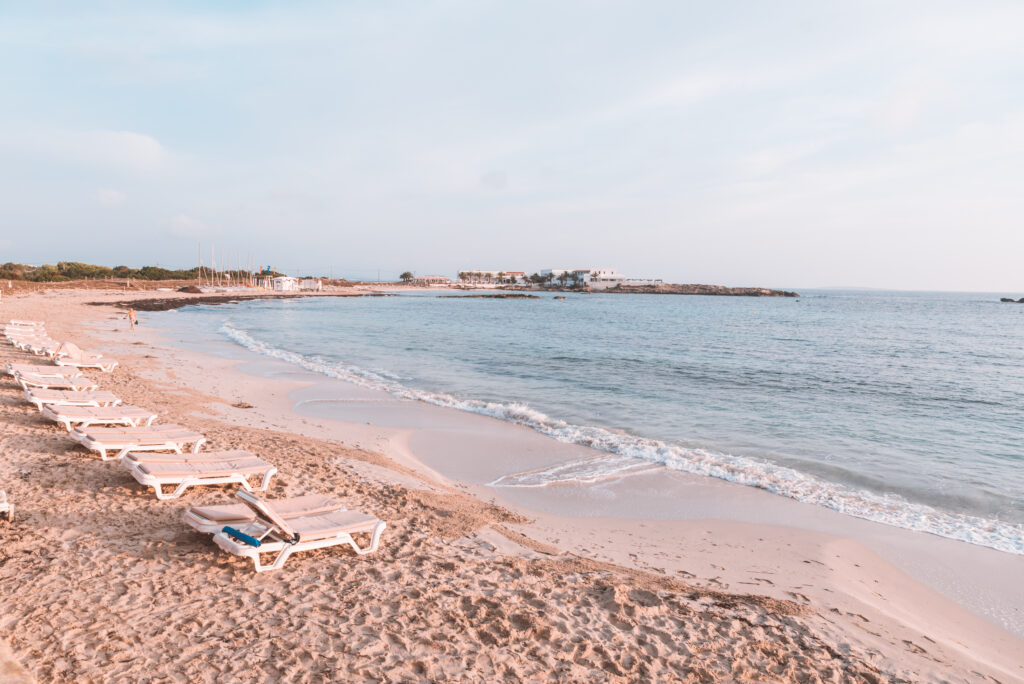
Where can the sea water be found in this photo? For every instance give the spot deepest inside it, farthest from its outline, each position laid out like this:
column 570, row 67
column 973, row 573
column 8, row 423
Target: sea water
column 903, row 408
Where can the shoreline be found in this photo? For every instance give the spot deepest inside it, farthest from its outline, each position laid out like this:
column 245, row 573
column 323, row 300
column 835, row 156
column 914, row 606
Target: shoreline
column 805, row 563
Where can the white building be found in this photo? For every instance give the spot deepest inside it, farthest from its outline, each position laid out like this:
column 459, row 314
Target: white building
column 432, row 281
column 604, row 278
column 492, row 277
column 311, row 284
column 285, row 284
column 594, row 278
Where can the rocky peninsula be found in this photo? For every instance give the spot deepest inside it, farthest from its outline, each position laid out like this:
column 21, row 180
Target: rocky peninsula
column 719, row 290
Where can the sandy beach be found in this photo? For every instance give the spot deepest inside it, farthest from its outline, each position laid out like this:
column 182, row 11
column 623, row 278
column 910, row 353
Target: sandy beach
column 658, row 576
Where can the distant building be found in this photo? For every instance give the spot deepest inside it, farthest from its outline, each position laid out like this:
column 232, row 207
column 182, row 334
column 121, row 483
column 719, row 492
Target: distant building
column 600, row 278
column 312, row 284
column 432, row 281
column 492, row 277
column 604, row 278
column 285, row 284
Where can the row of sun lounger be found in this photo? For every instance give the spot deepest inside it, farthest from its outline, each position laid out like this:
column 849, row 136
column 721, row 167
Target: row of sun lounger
column 156, row 456
column 30, row 336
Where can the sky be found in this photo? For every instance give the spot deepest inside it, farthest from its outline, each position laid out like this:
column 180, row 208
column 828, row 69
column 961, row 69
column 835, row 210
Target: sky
column 777, row 144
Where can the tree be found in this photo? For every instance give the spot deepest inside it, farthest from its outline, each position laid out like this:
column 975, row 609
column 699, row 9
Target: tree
column 563, row 278
column 406, row 276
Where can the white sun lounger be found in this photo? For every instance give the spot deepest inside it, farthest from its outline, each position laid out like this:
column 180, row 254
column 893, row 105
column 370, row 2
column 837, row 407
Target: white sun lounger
column 41, row 397
column 15, row 335
column 213, row 518
column 6, row 509
column 31, row 343
column 24, row 323
column 272, row 532
column 69, row 354
column 49, row 382
column 87, row 416
column 212, row 468
column 124, row 439
column 13, row 368
column 48, row 348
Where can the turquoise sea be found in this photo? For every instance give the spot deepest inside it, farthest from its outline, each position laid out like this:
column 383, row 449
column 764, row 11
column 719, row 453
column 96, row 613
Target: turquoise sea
column 903, row 408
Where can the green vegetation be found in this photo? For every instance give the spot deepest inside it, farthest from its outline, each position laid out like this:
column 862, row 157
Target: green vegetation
column 406, row 276
column 73, row 270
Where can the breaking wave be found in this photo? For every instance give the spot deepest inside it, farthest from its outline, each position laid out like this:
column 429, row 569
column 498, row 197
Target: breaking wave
column 631, row 453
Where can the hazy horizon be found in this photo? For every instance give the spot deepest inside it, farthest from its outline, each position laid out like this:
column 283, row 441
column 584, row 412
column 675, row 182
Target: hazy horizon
column 740, row 144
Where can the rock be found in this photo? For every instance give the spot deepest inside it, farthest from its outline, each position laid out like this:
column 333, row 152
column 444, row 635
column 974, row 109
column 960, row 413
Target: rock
column 192, row 289
column 490, row 296
column 670, row 288
column 559, row 297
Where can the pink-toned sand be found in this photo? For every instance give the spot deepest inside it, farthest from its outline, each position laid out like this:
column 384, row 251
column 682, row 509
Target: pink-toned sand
column 101, row 582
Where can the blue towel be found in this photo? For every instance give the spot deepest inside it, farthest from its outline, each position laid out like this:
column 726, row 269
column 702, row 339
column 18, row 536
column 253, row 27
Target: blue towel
column 242, row 536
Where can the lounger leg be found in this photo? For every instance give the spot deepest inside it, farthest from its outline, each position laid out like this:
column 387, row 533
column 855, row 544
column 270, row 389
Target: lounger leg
column 264, row 483
column 278, row 563
column 177, row 492
column 281, row 558
column 374, row 540
column 195, row 447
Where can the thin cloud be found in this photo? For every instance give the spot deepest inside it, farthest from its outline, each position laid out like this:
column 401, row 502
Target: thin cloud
column 186, row 226
column 110, row 198
column 126, row 150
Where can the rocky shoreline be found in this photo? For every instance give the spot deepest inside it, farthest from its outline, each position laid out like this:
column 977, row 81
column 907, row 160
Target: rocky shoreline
column 693, row 289
column 491, row 296
column 167, row 303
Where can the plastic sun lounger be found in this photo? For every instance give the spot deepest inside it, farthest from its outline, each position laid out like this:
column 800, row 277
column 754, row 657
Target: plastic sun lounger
column 87, row 416
column 105, row 365
column 213, row 518
column 47, row 349
column 41, row 397
column 122, row 439
column 48, row 382
column 13, row 334
column 29, row 343
column 14, row 368
column 223, row 467
column 6, row 509
column 31, row 324
column 69, row 354
column 272, row 532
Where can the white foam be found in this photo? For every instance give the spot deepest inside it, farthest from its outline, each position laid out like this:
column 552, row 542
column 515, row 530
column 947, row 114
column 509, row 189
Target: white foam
column 884, row 508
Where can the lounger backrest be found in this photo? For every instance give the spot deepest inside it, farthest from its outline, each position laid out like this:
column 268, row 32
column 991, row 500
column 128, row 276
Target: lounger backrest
column 70, row 350
column 266, row 512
